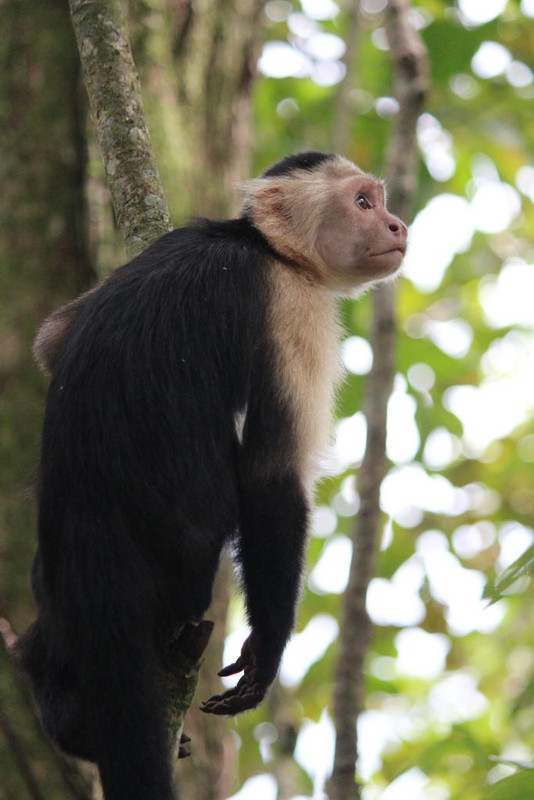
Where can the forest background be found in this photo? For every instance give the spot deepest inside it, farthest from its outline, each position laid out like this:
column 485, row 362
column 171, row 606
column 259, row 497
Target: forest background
column 449, row 705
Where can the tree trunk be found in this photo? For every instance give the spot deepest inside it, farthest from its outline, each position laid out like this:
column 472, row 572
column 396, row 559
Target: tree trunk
column 411, row 75
column 45, row 261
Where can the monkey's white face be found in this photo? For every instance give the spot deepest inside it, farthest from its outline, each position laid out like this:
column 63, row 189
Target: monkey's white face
column 358, row 240
column 333, row 222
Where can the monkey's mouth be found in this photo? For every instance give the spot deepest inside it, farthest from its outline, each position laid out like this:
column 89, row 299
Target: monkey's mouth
column 401, row 250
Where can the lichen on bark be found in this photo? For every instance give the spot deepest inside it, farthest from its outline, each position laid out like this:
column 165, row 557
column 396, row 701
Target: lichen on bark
column 115, row 98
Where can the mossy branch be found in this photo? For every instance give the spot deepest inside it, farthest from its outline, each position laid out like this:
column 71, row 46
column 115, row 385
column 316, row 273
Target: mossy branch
column 182, row 653
column 115, row 98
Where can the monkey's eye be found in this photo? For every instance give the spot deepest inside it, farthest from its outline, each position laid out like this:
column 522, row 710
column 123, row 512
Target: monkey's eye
column 362, row 202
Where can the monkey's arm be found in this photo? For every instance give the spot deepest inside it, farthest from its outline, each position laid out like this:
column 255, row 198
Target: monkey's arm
column 53, row 332
column 274, row 517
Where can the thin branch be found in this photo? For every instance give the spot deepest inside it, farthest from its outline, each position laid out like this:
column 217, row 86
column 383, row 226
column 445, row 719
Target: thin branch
column 411, row 72
column 115, row 98
column 411, row 78
column 342, row 107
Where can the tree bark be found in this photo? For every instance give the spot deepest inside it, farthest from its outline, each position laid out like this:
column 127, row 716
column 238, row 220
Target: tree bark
column 411, row 76
column 115, row 98
column 209, row 774
column 45, row 261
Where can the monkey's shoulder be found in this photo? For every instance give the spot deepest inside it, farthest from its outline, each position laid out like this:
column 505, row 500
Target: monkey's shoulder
column 203, row 286
column 195, row 263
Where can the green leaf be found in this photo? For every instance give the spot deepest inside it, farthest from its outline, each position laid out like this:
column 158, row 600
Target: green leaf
column 521, row 567
column 517, row 787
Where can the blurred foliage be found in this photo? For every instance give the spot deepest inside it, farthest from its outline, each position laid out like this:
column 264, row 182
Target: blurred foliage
column 516, row 787
column 488, row 122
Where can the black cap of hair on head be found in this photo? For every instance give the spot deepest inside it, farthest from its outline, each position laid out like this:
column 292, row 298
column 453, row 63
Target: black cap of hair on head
column 308, row 161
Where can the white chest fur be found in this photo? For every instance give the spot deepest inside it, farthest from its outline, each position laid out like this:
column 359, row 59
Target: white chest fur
column 304, row 324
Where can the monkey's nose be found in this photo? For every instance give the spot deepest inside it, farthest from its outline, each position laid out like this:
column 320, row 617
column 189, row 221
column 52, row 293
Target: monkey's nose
column 397, row 226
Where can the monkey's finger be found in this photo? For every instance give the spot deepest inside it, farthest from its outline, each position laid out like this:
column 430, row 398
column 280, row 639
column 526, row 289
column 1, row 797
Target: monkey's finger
column 218, row 697
column 219, row 702
column 242, row 687
column 235, row 700
column 235, row 705
column 232, row 669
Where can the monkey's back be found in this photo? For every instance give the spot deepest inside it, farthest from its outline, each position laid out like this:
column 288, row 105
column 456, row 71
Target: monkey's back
column 140, row 419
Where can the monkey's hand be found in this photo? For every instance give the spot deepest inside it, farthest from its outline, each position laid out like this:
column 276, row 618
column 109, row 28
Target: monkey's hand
column 251, row 688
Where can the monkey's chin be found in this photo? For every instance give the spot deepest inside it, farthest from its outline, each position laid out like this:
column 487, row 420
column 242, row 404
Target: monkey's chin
column 387, row 264
column 394, row 269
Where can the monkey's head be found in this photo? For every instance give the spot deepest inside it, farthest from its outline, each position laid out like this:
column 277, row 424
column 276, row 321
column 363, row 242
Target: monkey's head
column 329, row 218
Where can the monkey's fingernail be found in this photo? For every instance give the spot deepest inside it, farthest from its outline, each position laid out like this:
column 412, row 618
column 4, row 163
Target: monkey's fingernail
column 184, row 738
column 183, row 752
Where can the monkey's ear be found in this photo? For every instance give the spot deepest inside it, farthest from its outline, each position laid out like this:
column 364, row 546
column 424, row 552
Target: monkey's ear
column 269, row 200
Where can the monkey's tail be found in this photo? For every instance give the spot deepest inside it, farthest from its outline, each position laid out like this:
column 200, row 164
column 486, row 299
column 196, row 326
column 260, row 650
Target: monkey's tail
column 108, row 587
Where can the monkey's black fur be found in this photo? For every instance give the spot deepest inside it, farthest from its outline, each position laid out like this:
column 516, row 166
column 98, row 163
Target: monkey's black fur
column 143, row 479
column 309, row 160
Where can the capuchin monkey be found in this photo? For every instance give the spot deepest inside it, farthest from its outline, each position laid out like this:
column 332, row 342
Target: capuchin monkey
column 189, row 405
